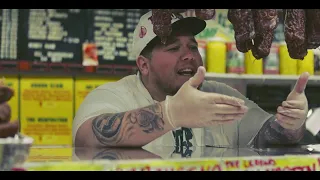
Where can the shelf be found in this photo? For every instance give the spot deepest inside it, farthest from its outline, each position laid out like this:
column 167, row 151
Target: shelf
column 273, row 79
column 59, row 74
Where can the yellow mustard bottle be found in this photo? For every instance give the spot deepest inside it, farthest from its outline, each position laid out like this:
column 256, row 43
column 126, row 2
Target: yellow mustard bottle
column 288, row 65
column 307, row 64
column 253, row 65
column 216, row 55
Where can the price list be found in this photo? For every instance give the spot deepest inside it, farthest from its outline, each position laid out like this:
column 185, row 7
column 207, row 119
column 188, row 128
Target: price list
column 9, row 20
column 54, row 35
column 112, row 31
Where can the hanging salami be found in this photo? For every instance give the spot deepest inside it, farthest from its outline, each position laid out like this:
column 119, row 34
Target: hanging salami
column 295, row 33
column 243, row 25
column 161, row 20
column 265, row 22
column 205, row 14
column 313, row 28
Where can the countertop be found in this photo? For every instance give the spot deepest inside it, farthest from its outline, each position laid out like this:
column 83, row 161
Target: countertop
column 47, row 153
column 172, row 159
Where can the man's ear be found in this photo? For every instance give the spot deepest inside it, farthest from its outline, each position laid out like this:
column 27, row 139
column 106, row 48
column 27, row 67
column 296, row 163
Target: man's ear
column 143, row 65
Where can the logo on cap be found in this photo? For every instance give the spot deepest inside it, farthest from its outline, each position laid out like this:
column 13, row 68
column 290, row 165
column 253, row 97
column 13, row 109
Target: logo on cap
column 143, row 31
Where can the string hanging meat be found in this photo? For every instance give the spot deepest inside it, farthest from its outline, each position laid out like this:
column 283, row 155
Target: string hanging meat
column 243, row 26
column 295, row 33
column 265, row 22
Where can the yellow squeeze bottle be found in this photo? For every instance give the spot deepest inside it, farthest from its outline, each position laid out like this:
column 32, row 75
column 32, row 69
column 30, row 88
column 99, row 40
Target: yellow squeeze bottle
column 288, row 66
column 253, row 65
column 216, row 56
column 307, row 64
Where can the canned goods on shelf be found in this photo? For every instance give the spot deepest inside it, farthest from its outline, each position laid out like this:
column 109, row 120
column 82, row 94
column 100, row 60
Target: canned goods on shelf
column 271, row 62
column 235, row 59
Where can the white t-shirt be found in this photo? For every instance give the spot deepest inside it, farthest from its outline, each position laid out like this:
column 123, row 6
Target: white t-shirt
column 129, row 93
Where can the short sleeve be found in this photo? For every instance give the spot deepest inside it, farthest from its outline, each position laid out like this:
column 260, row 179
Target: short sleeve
column 98, row 101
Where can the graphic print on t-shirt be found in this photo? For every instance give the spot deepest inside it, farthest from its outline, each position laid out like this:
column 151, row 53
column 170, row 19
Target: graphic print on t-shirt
column 183, row 142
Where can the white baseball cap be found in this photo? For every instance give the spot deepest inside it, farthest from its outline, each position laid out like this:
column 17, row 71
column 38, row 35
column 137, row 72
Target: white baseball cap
column 143, row 33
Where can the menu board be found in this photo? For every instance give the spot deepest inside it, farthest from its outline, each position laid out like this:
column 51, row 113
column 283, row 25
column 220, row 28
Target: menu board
column 9, row 21
column 112, row 31
column 53, row 35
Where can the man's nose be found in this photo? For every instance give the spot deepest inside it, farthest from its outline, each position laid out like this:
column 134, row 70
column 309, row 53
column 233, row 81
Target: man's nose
column 187, row 55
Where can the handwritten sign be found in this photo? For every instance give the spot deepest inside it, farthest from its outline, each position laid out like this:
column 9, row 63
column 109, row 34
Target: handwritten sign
column 84, row 86
column 46, row 110
column 265, row 163
column 277, row 163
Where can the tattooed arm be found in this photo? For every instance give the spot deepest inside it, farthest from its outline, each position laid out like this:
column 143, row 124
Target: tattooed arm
column 134, row 128
column 272, row 133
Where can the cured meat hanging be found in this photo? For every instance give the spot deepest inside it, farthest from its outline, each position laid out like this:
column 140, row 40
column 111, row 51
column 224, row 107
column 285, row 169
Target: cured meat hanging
column 265, row 22
column 205, row 14
column 161, row 19
column 243, row 26
column 254, row 28
column 313, row 28
column 295, row 33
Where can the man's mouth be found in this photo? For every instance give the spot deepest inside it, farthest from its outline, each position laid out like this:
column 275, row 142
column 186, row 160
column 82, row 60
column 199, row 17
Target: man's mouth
column 186, row 72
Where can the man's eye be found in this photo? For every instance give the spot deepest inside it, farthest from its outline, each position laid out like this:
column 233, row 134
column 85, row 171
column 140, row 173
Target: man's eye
column 194, row 47
column 174, row 48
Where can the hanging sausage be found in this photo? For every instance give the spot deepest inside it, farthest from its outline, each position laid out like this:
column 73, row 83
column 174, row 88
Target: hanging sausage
column 313, row 28
column 243, row 26
column 265, row 22
column 161, row 20
column 205, row 14
column 295, row 33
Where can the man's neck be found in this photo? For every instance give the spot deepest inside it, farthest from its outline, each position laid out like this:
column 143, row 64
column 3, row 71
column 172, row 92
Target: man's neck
column 153, row 90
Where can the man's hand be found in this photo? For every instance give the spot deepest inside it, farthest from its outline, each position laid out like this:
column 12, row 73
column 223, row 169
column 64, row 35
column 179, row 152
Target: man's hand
column 192, row 108
column 292, row 113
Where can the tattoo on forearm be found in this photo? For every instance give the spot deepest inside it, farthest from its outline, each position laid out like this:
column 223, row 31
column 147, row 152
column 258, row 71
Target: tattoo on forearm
column 112, row 129
column 273, row 133
column 109, row 154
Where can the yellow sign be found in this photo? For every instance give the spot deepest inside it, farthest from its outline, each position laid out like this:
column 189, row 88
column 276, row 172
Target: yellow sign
column 84, row 86
column 265, row 163
column 13, row 83
column 50, row 154
column 46, row 110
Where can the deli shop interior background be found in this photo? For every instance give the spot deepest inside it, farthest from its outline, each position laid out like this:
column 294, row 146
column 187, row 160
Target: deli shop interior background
column 52, row 58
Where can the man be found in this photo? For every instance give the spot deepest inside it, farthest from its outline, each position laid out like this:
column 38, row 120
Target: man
column 169, row 103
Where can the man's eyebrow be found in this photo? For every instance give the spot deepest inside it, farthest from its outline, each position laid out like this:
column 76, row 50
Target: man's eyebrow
column 171, row 41
column 193, row 40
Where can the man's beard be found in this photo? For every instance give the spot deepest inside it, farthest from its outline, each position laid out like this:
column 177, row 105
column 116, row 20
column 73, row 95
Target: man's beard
column 165, row 86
